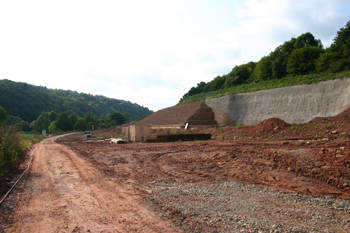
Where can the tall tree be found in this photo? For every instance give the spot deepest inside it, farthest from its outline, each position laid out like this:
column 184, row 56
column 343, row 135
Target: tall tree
column 42, row 122
column 341, row 42
column 73, row 119
column 53, row 127
column 307, row 39
column 80, row 125
column 88, row 117
column 324, row 62
column 237, row 76
column 127, row 117
column 3, row 116
column 263, row 68
column 89, row 125
column 116, row 118
column 303, row 61
column 52, row 116
column 63, row 122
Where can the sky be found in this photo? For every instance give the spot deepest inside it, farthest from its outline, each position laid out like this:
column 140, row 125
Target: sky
column 150, row 52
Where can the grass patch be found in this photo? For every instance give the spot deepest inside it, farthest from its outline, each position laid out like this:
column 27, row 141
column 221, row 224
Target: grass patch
column 27, row 140
column 223, row 178
column 238, row 125
column 13, row 146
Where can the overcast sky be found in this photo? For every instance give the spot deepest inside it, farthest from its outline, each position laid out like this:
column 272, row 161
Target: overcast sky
column 150, row 52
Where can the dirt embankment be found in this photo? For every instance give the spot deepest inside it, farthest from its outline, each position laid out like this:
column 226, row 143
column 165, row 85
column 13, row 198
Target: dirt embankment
column 193, row 113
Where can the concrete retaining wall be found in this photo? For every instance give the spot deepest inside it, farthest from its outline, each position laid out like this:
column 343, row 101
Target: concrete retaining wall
column 296, row 104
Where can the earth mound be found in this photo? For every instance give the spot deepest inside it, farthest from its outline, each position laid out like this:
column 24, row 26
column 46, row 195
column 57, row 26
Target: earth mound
column 193, row 113
column 271, row 124
column 266, row 127
column 343, row 117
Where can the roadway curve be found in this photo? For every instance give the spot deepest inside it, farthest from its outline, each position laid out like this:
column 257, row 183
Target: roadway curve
column 65, row 193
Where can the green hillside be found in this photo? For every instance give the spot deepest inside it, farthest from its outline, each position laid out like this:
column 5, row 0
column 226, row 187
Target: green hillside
column 297, row 61
column 28, row 102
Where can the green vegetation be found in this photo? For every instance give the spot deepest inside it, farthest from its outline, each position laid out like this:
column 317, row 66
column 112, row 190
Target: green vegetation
column 222, row 178
column 10, row 148
column 27, row 102
column 12, row 144
column 65, row 123
column 271, row 84
column 30, row 102
column 27, row 140
column 301, row 60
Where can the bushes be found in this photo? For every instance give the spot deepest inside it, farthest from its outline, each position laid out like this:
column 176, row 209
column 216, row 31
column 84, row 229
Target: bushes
column 303, row 61
column 10, row 148
column 340, row 65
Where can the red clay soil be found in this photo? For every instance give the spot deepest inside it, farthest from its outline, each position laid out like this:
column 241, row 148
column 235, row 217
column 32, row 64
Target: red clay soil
column 245, row 154
column 99, row 186
column 318, row 167
column 266, row 127
column 325, row 161
column 114, row 182
column 343, row 117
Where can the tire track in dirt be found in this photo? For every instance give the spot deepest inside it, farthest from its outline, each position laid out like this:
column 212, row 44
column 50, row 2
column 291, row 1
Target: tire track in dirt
column 64, row 193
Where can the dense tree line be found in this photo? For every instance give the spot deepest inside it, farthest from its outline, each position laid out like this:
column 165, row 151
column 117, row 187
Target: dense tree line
column 28, row 102
column 298, row 56
column 53, row 122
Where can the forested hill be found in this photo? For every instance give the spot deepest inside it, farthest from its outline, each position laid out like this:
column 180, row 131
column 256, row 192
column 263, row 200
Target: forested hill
column 28, row 102
column 301, row 56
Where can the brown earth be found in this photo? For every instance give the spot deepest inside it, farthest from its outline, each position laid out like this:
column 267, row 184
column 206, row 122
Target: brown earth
column 271, row 177
column 193, row 113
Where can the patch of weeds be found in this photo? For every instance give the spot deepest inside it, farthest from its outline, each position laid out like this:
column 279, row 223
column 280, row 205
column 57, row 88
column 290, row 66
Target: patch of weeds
column 238, row 125
column 173, row 131
column 223, row 178
column 254, row 139
column 345, row 116
column 330, row 126
column 296, row 128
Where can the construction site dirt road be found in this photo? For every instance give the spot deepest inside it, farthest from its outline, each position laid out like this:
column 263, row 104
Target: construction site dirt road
column 201, row 186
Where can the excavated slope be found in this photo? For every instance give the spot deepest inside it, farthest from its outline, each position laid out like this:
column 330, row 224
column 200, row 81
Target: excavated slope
column 296, row 104
column 193, row 113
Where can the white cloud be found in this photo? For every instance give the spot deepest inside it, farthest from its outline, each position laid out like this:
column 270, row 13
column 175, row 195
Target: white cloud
column 150, row 52
column 266, row 24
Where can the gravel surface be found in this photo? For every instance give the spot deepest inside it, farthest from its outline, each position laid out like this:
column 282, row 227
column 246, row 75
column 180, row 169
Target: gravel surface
column 236, row 207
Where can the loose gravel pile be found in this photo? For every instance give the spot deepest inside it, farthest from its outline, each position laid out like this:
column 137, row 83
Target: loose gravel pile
column 236, row 207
